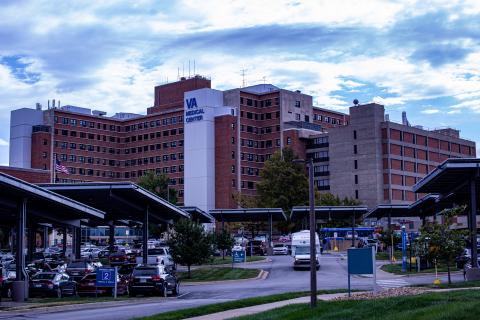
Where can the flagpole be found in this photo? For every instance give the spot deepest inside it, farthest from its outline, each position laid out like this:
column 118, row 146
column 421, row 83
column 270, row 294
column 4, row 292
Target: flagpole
column 55, row 170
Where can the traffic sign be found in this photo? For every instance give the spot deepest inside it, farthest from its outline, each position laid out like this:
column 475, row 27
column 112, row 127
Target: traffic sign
column 106, row 277
column 238, row 256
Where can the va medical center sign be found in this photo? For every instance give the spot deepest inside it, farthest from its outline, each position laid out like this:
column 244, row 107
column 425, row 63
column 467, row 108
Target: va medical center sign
column 193, row 112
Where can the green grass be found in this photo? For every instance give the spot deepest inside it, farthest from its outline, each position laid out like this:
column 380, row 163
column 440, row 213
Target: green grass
column 228, row 260
column 218, row 274
column 385, row 255
column 397, row 269
column 219, row 307
column 461, row 305
column 445, row 285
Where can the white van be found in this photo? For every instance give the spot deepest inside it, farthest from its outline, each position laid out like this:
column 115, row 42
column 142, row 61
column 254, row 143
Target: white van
column 301, row 250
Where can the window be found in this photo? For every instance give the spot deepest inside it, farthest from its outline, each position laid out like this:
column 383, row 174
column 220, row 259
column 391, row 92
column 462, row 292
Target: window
column 45, row 142
column 73, row 122
column 44, row 155
column 297, row 116
column 233, row 140
column 356, row 194
column 297, row 104
column 355, row 149
column 73, row 145
column 356, row 179
column 355, row 164
column 355, row 134
column 326, row 119
column 233, row 154
column 289, row 141
column 65, row 120
column 307, row 118
column 233, row 168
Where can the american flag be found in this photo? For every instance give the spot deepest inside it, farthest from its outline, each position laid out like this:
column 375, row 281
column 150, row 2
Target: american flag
column 60, row 167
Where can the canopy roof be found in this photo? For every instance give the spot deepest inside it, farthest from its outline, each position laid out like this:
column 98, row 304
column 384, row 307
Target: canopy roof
column 450, row 179
column 329, row 212
column 198, row 214
column 121, row 201
column 250, row 214
column 42, row 205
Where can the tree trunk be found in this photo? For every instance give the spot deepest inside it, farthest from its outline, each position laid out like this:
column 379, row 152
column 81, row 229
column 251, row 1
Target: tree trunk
column 223, row 254
column 189, row 272
column 448, row 270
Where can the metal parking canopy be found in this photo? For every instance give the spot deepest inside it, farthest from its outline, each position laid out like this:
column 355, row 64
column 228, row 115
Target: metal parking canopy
column 248, row 214
column 199, row 215
column 122, row 202
column 457, row 181
column 20, row 200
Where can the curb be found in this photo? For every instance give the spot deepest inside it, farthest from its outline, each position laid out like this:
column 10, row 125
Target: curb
column 262, row 275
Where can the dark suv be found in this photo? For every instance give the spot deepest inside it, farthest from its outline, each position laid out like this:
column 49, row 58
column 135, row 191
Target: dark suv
column 78, row 269
column 149, row 280
column 256, row 247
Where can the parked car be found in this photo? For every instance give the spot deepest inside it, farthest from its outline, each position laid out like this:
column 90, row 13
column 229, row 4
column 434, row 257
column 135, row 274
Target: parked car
column 157, row 256
column 120, row 258
column 256, row 247
column 280, row 249
column 90, row 253
column 7, row 276
column 78, row 269
column 54, row 284
column 148, row 280
column 87, row 286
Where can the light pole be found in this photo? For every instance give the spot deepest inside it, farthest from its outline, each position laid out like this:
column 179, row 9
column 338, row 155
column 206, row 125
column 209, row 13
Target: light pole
column 313, row 224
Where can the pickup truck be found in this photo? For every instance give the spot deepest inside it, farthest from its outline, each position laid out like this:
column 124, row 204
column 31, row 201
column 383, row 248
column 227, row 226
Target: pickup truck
column 158, row 256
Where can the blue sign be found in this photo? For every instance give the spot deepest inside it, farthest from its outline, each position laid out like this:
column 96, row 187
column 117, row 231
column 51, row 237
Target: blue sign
column 106, row 277
column 404, row 249
column 238, row 256
column 360, row 261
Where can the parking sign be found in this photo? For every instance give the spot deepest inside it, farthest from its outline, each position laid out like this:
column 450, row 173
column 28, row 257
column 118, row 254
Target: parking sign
column 238, row 256
column 106, row 277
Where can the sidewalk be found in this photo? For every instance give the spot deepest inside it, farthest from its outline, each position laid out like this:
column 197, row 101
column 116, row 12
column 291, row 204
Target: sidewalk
column 264, row 307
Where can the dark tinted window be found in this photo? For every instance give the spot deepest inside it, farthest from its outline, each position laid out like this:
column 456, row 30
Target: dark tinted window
column 156, row 251
column 78, row 264
column 44, row 276
column 145, row 272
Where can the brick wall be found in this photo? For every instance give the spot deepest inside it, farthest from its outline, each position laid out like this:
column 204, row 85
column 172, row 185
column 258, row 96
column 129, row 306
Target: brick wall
column 29, row 175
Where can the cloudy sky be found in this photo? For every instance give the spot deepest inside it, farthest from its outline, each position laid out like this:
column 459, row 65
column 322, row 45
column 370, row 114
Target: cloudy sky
column 419, row 56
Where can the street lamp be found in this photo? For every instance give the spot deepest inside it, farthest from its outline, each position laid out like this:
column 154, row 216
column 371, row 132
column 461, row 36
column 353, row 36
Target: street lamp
column 313, row 223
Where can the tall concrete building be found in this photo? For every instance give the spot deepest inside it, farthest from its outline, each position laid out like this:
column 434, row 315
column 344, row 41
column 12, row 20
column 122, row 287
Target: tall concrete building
column 213, row 144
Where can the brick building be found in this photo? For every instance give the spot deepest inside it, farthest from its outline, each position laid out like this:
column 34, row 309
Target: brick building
column 213, row 144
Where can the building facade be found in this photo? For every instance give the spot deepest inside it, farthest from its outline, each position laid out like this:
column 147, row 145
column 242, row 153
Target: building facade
column 213, row 144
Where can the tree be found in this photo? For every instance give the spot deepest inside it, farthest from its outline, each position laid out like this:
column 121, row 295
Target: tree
column 440, row 242
column 158, row 184
column 328, row 199
column 224, row 241
column 283, row 183
column 190, row 244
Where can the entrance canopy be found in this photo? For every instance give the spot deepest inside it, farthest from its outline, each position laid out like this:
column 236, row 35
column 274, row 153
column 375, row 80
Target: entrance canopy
column 250, row 214
column 199, row 215
column 329, row 212
column 424, row 207
column 41, row 204
column 121, row 201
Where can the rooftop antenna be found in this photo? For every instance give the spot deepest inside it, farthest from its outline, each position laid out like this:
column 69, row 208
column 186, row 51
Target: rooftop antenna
column 48, row 104
column 178, row 73
column 183, row 69
column 243, row 77
column 189, row 68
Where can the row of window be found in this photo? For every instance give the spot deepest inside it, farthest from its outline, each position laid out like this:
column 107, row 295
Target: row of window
column 111, row 162
column 259, row 116
column 152, row 147
column 327, row 119
column 164, row 158
column 92, row 148
column 258, row 144
column 91, row 136
column 255, row 103
column 256, row 130
column 153, row 135
column 112, row 127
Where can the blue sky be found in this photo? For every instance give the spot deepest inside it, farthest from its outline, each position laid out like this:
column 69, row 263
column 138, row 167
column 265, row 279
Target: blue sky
column 422, row 57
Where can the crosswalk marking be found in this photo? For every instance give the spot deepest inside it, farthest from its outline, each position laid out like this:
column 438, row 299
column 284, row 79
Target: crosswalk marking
column 394, row 283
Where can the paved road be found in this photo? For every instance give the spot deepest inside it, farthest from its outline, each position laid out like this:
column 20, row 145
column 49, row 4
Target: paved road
column 281, row 278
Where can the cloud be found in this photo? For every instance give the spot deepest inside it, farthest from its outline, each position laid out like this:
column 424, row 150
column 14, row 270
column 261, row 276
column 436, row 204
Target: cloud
column 430, row 111
column 3, row 143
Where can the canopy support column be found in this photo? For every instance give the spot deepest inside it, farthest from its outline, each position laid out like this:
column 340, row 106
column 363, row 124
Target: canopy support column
column 145, row 237
column 111, row 237
column 64, row 241
column 20, row 256
column 353, row 229
column 31, row 241
column 77, row 237
column 473, row 221
column 45, row 238
column 270, row 226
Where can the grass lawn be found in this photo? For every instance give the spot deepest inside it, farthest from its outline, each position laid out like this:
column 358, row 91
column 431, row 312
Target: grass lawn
column 228, row 260
column 218, row 274
column 397, row 269
column 386, row 256
column 219, row 307
column 445, row 285
column 432, row 306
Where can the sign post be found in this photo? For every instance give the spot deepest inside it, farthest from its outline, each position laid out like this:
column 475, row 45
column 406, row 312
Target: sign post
column 404, row 249
column 107, row 277
column 361, row 261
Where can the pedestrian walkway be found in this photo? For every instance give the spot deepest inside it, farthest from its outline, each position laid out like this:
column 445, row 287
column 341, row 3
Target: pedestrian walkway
column 392, row 283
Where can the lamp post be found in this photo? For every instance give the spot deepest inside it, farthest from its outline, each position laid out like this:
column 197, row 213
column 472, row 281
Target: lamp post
column 313, row 223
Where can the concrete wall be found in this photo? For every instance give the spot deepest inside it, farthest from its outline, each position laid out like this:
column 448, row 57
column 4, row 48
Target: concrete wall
column 21, row 122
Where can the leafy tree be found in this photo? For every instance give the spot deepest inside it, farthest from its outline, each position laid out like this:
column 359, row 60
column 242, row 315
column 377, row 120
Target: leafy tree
column 158, row 184
column 328, row 199
column 284, row 183
column 440, row 242
column 190, row 244
column 387, row 236
column 224, row 241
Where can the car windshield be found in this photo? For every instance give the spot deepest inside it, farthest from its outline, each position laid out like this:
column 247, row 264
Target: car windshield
column 78, row 264
column 302, row 250
column 159, row 251
column 145, row 272
column 91, row 276
column 44, row 276
column 279, row 246
column 255, row 243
